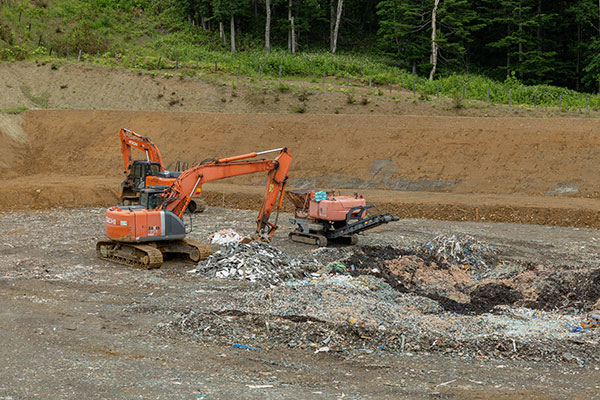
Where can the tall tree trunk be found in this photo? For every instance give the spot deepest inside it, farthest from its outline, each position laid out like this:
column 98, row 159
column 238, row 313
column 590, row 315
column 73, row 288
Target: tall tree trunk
column 290, row 29
column 337, row 25
column 268, row 29
column 293, row 35
column 578, row 66
column 434, row 46
column 520, row 40
column 332, row 23
column 508, row 31
column 221, row 31
column 232, row 28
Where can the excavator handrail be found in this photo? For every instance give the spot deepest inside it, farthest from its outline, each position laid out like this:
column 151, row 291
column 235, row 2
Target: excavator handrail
column 131, row 139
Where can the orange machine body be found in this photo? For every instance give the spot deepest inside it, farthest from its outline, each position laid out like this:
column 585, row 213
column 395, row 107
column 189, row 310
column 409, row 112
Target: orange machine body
column 336, row 208
column 137, row 224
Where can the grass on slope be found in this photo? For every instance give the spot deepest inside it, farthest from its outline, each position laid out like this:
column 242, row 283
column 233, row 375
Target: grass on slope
column 33, row 29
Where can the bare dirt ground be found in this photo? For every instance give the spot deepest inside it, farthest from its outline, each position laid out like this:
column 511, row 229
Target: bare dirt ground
column 74, row 326
column 522, row 170
column 397, row 323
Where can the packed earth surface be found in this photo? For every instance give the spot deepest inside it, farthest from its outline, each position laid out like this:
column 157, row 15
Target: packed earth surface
column 487, row 287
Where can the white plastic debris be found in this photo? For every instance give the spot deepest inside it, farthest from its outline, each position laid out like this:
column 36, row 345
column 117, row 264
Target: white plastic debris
column 225, row 236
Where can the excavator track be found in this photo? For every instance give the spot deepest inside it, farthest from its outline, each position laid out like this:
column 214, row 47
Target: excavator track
column 135, row 255
column 308, row 238
column 194, row 250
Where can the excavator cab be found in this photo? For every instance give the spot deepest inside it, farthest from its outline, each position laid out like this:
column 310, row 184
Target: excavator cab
column 141, row 169
column 150, row 198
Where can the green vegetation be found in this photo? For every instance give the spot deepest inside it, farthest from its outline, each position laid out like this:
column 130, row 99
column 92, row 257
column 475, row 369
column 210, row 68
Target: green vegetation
column 41, row 100
column 13, row 110
column 152, row 35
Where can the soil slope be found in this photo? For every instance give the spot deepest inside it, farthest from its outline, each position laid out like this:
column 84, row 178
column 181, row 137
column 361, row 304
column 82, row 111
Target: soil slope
column 519, row 169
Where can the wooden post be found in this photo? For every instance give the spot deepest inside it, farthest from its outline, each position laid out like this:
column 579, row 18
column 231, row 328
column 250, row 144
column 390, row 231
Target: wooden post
column 587, row 105
column 29, row 27
column 50, row 52
column 280, row 70
column 464, row 90
column 40, row 40
column 369, row 82
column 79, row 56
column 476, row 214
column 391, row 82
column 323, row 83
column 437, row 89
column 67, row 52
column 216, row 66
column 20, row 12
column 159, row 59
column 347, row 80
column 116, row 58
column 97, row 54
column 134, row 60
column 177, row 63
column 259, row 70
column 487, row 99
column 239, row 67
column 510, row 97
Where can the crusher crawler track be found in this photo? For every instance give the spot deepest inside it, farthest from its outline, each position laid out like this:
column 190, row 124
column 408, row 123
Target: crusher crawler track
column 150, row 255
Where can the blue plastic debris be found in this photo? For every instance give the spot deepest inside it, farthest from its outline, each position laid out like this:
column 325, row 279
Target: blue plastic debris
column 244, row 346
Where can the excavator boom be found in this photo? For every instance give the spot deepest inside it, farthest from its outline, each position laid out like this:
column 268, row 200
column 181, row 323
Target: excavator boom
column 158, row 223
column 130, row 139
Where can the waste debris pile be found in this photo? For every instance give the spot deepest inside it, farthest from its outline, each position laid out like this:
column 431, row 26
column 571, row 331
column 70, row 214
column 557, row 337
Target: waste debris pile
column 461, row 249
column 255, row 262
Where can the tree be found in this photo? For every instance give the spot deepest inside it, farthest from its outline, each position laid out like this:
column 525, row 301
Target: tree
column 336, row 28
column 228, row 9
column 434, row 44
column 403, row 30
column 268, row 28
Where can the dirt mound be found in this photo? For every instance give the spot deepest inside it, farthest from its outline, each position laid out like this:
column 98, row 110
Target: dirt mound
column 460, row 288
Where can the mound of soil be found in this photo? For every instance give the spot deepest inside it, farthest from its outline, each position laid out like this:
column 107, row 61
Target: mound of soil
column 456, row 289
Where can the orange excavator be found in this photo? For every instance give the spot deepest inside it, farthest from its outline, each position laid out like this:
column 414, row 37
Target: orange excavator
column 145, row 173
column 140, row 235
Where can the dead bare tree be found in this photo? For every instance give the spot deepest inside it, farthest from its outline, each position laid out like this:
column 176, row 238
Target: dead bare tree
column 268, row 28
column 232, row 28
column 434, row 45
column 336, row 29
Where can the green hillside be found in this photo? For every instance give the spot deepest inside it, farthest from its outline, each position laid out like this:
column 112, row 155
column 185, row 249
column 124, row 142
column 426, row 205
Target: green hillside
column 165, row 35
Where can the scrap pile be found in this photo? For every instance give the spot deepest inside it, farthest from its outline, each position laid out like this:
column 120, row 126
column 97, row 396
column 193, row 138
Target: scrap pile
column 257, row 261
column 461, row 249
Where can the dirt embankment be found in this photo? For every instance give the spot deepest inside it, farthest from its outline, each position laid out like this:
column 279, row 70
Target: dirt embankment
column 522, row 170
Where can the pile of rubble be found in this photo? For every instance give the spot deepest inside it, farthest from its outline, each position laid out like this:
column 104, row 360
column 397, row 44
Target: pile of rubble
column 462, row 250
column 255, row 262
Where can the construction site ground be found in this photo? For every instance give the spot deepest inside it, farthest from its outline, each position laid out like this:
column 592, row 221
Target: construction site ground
column 73, row 325
column 522, row 181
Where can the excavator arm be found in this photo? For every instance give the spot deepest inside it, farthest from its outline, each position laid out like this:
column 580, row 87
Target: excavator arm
column 130, row 139
column 178, row 196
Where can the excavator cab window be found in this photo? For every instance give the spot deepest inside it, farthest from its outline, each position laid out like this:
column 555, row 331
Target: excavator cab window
column 151, row 198
column 141, row 169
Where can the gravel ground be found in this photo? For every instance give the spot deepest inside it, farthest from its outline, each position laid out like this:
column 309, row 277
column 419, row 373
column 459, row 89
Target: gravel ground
column 111, row 331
